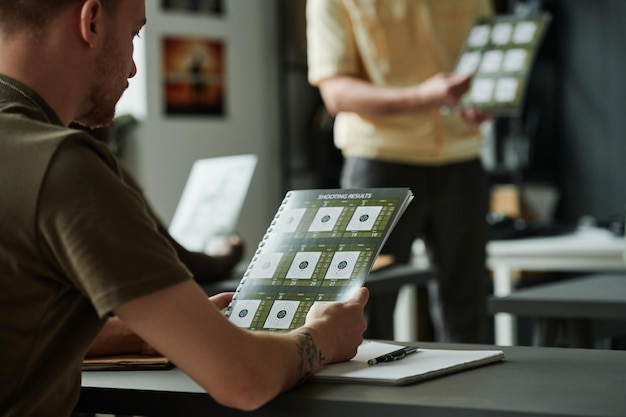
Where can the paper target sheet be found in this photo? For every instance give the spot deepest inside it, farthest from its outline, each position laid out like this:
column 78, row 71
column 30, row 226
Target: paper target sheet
column 500, row 51
column 320, row 247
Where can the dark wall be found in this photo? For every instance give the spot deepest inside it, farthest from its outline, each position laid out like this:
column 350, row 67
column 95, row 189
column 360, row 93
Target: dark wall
column 591, row 119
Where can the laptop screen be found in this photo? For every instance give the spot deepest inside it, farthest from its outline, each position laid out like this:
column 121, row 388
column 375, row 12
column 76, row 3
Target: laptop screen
column 212, row 200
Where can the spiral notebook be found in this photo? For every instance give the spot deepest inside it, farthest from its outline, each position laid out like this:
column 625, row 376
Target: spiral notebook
column 416, row 367
column 320, row 246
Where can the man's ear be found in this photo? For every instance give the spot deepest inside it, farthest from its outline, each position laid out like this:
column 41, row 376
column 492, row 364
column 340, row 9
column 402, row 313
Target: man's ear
column 90, row 21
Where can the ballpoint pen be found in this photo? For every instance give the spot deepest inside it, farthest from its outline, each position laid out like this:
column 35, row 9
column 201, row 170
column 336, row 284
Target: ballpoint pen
column 393, row 356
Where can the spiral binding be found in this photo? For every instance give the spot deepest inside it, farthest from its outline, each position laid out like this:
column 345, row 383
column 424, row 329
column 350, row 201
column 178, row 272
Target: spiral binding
column 266, row 236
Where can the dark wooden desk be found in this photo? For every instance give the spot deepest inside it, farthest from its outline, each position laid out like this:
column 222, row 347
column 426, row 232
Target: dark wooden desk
column 573, row 305
column 531, row 381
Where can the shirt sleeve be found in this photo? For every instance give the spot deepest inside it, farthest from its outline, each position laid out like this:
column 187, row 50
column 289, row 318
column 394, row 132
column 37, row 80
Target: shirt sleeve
column 97, row 232
column 331, row 45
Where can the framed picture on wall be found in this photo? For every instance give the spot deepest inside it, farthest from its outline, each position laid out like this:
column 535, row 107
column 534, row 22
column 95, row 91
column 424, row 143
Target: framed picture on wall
column 193, row 76
column 215, row 7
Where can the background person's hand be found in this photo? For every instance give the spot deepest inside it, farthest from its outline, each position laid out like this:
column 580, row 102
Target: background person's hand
column 474, row 116
column 444, row 89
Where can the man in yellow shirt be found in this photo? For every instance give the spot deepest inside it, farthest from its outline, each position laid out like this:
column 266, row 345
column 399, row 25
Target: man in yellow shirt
column 383, row 68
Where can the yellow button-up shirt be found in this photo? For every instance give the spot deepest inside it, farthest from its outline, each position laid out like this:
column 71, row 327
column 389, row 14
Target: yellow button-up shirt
column 394, row 43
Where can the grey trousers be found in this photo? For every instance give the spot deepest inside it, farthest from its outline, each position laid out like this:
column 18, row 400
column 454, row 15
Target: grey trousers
column 449, row 214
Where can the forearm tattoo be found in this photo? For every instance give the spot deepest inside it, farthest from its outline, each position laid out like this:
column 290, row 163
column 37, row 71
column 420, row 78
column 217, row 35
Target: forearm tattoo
column 310, row 356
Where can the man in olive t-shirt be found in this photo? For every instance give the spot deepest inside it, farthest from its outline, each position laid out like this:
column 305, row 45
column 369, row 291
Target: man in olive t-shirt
column 77, row 244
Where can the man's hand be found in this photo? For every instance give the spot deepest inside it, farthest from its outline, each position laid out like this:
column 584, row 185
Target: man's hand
column 447, row 90
column 222, row 300
column 474, row 116
column 337, row 327
column 444, row 89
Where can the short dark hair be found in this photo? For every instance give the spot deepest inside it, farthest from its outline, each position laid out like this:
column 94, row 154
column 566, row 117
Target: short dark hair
column 34, row 15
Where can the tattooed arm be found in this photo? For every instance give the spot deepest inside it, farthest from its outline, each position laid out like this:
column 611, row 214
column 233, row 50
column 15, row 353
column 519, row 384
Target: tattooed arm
column 310, row 356
column 240, row 368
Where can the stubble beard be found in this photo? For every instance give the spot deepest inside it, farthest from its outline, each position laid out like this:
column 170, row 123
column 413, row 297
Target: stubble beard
column 104, row 94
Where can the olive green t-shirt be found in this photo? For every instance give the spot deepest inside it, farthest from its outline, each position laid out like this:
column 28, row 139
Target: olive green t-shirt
column 76, row 242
